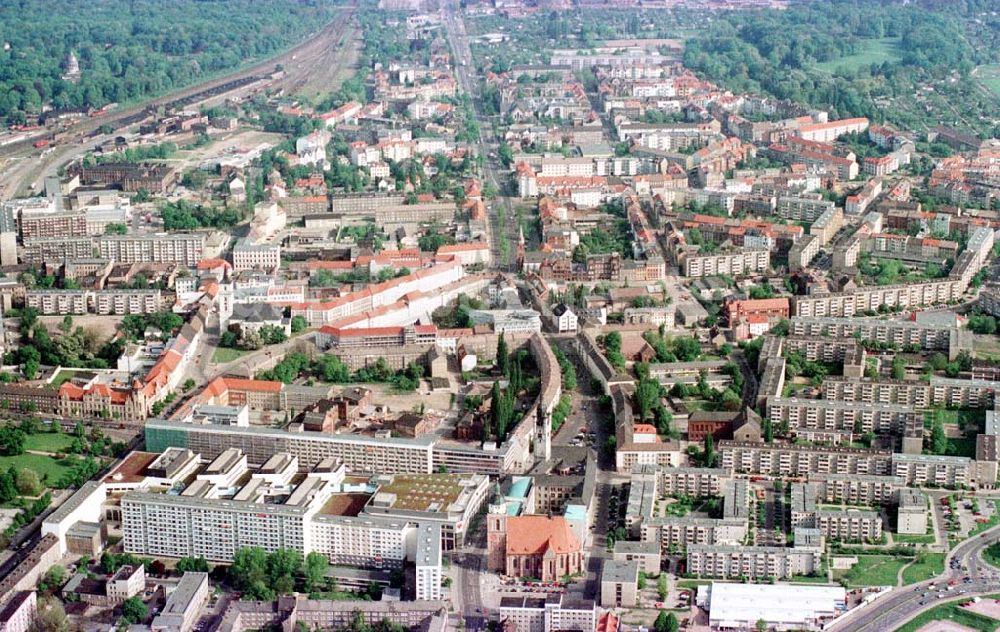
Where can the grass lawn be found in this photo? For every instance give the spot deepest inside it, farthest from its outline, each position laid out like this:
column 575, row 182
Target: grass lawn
column 927, row 538
column 48, row 442
column 45, row 466
column 872, row 570
column 989, row 76
column 62, row 377
column 873, row 51
column 992, row 554
column 926, row 566
column 699, row 404
column 952, row 611
column 993, row 521
column 224, row 355
column 806, row 579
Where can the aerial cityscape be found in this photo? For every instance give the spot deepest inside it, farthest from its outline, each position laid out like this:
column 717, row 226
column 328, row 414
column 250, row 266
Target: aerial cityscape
column 500, row 315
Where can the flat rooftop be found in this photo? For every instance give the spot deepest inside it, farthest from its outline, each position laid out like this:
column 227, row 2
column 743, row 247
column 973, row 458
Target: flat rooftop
column 132, row 469
column 345, row 504
column 731, row 605
column 421, row 492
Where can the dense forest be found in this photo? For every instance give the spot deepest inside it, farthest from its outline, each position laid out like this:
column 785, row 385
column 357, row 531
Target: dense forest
column 858, row 58
column 131, row 49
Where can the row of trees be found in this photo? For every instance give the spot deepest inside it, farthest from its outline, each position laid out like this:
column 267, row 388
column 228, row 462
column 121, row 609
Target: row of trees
column 330, row 368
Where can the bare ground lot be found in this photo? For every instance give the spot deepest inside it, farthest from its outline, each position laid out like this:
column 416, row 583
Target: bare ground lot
column 103, row 326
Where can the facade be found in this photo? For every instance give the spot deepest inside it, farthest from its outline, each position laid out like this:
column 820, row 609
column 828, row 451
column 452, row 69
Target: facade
column 428, row 562
column 911, row 515
column 691, row 481
column 184, row 604
column 856, row 489
column 753, row 562
column 251, row 256
column 741, row 262
column 18, row 614
column 619, row 584
column 104, row 302
column 801, row 461
column 852, row 525
column 548, row 614
column 181, row 248
column 928, row 469
column 840, row 416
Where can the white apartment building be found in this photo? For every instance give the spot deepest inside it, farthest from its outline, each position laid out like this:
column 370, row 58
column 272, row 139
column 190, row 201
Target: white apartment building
column 852, row 525
column 181, row 248
column 801, row 461
column 741, row 262
column 856, row 489
column 691, row 481
column 428, row 562
column 840, row 416
column 754, row 562
column 929, row 469
column 251, row 256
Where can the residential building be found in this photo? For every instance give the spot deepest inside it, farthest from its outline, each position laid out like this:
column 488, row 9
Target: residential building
column 428, row 562
column 911, row 513
column 18, row 614
column 753, row 562
column 181, row 248
column 184, row 604
column 552, row 613
column 251, row 256
column 619, row 584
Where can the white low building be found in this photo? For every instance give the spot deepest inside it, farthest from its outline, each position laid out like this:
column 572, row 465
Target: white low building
column 780, row 606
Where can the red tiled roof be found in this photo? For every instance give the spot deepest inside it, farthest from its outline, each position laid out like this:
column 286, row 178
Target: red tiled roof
column 535, row 535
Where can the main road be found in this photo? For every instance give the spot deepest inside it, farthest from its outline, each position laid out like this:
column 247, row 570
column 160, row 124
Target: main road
column 902, row 604
column 492, row 174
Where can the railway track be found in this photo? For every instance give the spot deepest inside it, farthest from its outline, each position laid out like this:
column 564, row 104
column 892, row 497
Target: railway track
column 297, row 57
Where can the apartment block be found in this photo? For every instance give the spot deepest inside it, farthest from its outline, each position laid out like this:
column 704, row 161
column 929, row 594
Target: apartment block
column 803, row 208
column 801, row 254
column 851, row 525
column 361, row 454
column 902, row 333
column 53, row 222
column 619, row 584
column 911, row 514
column 126, row 301
column 856, row 489
column 847, row 304
column 58, row 301
column 840, row 416
column 802, row 505
column 427, row 561
column 41, row 250
column 691, row 481
column 939, row 391
column 251, row 256
column 801, row 461
column 677, row 533
column 752, row 562
column 737, row 263
column 919, row 470
column 181, row 248
column 548, row 614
